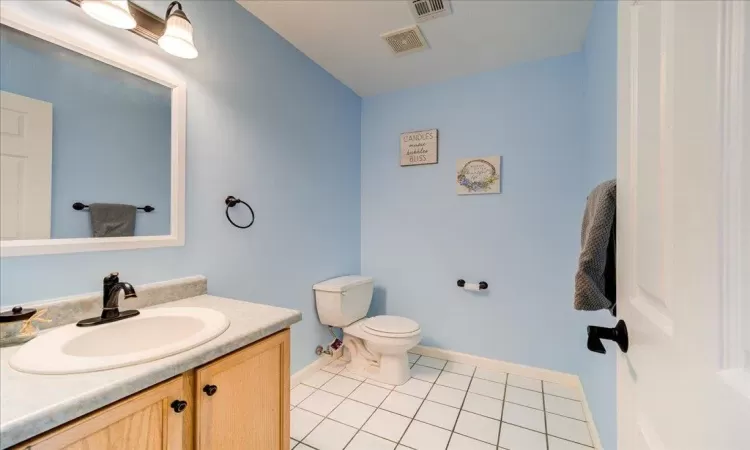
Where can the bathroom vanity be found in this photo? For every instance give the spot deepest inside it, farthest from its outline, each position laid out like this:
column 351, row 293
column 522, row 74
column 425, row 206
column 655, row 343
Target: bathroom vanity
column 231, row 392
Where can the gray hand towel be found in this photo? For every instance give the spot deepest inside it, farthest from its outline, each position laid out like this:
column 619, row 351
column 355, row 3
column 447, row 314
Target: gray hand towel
column 598, row 220
column 112, row 220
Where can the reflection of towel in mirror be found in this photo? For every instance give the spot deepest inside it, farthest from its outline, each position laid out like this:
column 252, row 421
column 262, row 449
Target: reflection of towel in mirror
column 112, row 220
column 595, row 279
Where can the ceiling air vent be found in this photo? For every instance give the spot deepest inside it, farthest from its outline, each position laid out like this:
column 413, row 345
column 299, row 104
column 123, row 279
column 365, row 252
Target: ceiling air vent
column 423, row 10
column 405, row 40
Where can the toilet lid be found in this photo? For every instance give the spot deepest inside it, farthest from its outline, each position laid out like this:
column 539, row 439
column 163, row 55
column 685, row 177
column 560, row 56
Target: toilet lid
column 391, row 326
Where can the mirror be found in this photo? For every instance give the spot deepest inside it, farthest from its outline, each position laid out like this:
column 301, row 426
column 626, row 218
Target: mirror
column 90, row 149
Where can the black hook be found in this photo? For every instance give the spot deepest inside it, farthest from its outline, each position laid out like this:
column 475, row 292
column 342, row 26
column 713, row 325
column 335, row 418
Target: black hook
column 231, row 202
column 618, row 334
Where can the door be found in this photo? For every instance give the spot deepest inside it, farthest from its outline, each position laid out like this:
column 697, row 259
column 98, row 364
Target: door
column 25, row 167
column 148, row 420
column 683, row 177
column 243, row 398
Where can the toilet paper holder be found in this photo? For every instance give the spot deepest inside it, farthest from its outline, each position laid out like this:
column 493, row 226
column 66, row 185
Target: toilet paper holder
column 482, row 284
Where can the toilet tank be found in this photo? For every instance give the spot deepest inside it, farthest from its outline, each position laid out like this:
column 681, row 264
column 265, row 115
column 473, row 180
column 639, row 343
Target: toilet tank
column 344, row 300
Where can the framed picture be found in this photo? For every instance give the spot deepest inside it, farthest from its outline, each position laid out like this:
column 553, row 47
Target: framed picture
column 478, row 175
column 419, row 147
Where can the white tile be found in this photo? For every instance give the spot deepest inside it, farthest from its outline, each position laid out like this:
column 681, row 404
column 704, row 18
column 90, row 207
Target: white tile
column 303, row 447
column 431, row 362
column 352, row 413
column 318, row 379
column 366, row 441
column 321, row 403
column 484, row 406
column 387, row 425
column 517, row 438
column 570, row 429
column 560, row 444
column 370, row 394
column 417, row 388
column 523, row 382
column 413, row 357
column 401, row 447
column 378, row 383
column 437, row 414
column 564, row 407
column 524, row 397
column 459, row 442
column 478, row 427
column 330, row 435
column 354, row 376
column 299, row 393
column 524, row 416
column 424, row 373
column 422, row 436
column 490, row 374
column 562, row 391
column 446, row 395
column 292, row 443
column 487, row 388
column 302, row 422
column 403, row 404
column 336, row 366
column 340, row 385
column 463, row 369
column 454, row 380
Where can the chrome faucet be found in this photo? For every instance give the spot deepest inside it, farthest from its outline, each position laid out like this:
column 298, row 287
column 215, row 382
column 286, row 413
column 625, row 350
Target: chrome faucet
column 111, row 301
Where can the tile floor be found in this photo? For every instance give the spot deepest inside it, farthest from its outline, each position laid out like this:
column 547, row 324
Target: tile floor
column 445, row 405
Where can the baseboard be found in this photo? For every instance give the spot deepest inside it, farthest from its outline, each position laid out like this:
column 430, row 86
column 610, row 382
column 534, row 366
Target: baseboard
column 517, row 369
column 322, row 361
column 590, row 418
column 552, row 376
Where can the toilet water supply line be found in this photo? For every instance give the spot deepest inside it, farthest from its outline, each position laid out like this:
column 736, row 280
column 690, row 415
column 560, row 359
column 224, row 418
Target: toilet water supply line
column 330, row 348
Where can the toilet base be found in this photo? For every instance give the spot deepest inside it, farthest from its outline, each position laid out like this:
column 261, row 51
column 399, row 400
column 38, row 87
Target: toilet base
column 381, row 360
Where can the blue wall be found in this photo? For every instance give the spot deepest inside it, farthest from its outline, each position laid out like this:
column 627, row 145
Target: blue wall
column 111, row 132
column 600, row 53
column 266, row 124
column 419, row 237
column 600, row 162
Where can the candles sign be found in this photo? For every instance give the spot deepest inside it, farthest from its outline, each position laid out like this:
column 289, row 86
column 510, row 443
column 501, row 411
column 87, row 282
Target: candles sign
column 419, row 147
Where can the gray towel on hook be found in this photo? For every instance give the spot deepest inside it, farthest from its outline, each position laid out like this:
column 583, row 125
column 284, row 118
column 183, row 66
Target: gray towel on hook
column 112, row 220
column 598, row 220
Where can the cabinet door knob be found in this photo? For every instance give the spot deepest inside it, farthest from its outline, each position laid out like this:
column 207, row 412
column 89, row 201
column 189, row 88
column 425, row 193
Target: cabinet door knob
column 210, row 389
column 178, row 405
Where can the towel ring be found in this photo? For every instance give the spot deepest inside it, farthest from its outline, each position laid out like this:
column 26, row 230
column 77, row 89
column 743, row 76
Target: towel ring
column 231, row 202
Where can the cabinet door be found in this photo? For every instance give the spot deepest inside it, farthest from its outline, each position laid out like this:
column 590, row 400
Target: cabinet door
column 243, row 398
column 144, row 421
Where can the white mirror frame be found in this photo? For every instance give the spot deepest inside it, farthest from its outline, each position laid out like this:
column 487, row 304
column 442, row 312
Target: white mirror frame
column 29, row 25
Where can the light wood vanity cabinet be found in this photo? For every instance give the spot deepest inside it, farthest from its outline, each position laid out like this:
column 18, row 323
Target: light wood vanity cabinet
column 239, row 401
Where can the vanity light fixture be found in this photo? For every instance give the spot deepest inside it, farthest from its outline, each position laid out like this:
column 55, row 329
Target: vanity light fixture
column 174, row 34
column 177, row 39
column 112, row 12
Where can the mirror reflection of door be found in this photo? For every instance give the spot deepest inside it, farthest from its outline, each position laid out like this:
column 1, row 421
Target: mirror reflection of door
column 25, row 167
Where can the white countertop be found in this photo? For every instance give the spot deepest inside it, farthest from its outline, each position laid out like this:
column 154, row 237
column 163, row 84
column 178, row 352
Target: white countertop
column 32, row 404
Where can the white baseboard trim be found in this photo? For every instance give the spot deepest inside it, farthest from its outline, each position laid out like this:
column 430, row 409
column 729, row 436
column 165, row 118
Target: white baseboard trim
column 322, row 361
column 590, row 418
column 516, row 369
column 552, row 376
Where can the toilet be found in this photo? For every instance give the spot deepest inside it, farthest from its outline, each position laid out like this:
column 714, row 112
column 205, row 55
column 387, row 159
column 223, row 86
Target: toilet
column 376, row 346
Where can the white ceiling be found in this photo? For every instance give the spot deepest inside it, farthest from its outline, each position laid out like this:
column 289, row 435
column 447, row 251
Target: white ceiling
column 343, row 36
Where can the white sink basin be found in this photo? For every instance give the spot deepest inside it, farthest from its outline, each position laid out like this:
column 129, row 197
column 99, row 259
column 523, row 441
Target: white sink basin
column 153, row 334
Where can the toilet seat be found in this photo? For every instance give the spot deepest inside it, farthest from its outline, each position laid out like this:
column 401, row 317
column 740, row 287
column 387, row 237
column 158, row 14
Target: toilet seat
column 391, row 326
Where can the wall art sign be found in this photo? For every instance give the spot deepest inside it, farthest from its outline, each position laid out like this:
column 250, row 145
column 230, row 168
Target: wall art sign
column 478, row 175
column 419, row 147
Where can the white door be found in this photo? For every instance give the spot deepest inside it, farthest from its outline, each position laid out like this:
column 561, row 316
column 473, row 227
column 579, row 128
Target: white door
column 683, row 252
column 25, row 167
